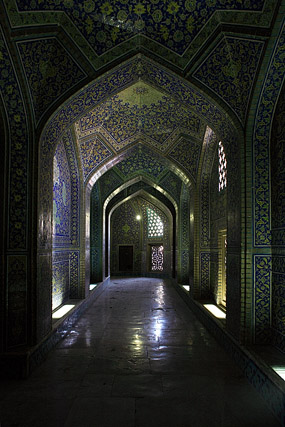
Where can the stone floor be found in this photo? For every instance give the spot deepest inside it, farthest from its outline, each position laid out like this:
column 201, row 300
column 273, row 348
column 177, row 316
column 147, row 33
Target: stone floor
column 137, row 358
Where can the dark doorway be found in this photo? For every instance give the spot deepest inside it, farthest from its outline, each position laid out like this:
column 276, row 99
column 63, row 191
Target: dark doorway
column 126, row 258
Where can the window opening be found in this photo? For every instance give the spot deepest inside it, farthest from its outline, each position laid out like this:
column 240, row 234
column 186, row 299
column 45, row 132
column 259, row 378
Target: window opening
column 222, row 266
column 156, row 257
column 154, row 224
column 222, row 167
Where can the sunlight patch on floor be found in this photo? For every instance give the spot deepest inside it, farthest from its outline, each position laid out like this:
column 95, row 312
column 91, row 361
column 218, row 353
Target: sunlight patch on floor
column 216, row 311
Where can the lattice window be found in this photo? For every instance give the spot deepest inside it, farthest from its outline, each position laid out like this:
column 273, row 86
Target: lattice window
column 222, row 167
column 154, row 224
column 156, row 258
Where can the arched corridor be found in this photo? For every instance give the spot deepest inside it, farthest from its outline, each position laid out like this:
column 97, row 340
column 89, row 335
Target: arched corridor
column 144, row 139
column 138, row 357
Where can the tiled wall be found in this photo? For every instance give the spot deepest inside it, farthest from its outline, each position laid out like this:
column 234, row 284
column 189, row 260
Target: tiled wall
column 278, row 222
column 218, row 221
column 65, row 256
column 127, row 230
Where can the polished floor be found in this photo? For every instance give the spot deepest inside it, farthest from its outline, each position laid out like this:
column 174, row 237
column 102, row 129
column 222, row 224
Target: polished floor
column 137, row 358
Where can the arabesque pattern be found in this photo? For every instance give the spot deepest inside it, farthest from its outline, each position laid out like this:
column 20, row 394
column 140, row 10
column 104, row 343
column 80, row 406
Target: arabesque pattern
column 50, row 71
column 106, row 24
column 230, row 71
column 122, row 123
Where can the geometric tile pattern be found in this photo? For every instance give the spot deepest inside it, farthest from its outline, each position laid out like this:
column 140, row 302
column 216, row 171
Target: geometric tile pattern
column 230, row 70
column 75, row 187
column 50, row 72
column 96, row 233
column 184, row 209
column 125, row 229
column 18, row 179
column 172, row 24
column 260, row 141
column 277, row 157
column 108, row 182
column 143, row 162
column 205, row 274
column 65, row 194
column 60, row 278
column 90, row 97
column 262, row 268
column 210, row 143
column 61, row 194
column 93, row 153
column 172, row 183
column 139, row 112
column 187, row 154
column 65, row 276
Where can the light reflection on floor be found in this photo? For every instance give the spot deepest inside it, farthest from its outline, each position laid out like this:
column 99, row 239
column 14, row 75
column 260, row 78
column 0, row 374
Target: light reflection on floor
column 137, row 357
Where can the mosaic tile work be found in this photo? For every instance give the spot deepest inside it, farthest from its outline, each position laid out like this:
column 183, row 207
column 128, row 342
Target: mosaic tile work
column 95, row 234
column 75, row 187
column 172, row 24
column 277, row 222
column 50, row 72
column 205, row 274
column 218, row 204
column 124, row 119
column 141, row 161
column 93, row 153
column 261, row 147
column 278, row 308
column 65, row 276
column 17, row 300
column 121, row 78
column 172, row 183
column 125, row 229
column 93, row 94
column 185, row 267
column 184, row 236
column 65, row 194
column 277, row 302
column 110, row 180
column 183, row 92
column 74, row 273
column 187, row 154
column 210, row 142
column 184, row 209
column 214, row 269
column 262, row 268
column 16, row 116
column 61, row 195
column 277, row 156
column 60, row 279
column 230, row 71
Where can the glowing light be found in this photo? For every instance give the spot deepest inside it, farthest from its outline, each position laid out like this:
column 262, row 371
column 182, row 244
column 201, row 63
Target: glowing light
column 280, row 370
column 138, row 342
column 62, row 311
column 216, row 311
column 91, row 287
column 158, row 331
column 187, row 287
column 138, row 217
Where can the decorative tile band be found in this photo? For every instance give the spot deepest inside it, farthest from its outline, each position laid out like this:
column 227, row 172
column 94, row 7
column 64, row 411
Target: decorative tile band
column 262, row 292
column 205, row 274
column 18, row 180
column 261, row 146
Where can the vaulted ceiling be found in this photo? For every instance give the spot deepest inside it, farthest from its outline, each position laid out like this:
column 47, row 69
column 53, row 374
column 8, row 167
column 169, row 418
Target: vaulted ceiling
column 213, row 47
column 62, row 44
